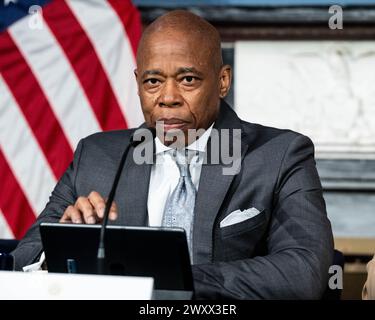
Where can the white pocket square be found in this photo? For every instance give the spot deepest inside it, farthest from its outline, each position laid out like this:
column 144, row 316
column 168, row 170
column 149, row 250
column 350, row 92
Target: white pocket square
column 238, row 216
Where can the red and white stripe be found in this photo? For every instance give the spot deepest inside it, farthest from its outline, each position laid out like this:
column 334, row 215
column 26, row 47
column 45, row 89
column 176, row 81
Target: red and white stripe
column 59, row 84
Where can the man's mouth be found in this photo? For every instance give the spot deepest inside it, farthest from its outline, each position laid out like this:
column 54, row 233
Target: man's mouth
column 171, row 123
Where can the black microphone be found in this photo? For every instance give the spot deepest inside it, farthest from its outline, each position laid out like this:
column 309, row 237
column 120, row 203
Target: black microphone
column 138, row 137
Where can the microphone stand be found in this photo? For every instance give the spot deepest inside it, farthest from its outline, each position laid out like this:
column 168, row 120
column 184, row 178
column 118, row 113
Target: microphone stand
column 101, row 248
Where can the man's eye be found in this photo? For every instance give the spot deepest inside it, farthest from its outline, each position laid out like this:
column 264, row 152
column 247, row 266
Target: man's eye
column 189, row 79
column 152, row 81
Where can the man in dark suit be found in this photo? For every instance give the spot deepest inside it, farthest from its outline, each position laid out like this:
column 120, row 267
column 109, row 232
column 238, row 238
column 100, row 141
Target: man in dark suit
column 261, row 232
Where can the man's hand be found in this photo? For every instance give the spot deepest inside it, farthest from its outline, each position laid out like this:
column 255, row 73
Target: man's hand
column 88, row 210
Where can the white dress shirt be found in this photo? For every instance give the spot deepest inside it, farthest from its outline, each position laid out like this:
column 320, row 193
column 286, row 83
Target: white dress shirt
column 165, row 175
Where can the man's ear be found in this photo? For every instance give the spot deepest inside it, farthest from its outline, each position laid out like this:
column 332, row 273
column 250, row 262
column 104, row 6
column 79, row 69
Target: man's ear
column 136, row 79
column 225, row 80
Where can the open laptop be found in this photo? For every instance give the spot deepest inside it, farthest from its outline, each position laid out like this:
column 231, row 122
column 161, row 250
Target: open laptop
column 161, row 253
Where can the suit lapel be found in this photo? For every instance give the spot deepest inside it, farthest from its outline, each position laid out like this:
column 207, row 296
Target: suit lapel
column 132, row 193
column 213, row 187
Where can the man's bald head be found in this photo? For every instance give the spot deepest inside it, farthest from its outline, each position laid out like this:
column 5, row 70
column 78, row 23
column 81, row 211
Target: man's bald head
column 191, row 28
column 180, row 74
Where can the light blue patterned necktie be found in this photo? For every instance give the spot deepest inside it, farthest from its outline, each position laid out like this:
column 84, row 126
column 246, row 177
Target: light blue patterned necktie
column 179, row 208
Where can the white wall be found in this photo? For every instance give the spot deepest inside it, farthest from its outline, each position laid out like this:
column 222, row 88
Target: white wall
column 323, row 89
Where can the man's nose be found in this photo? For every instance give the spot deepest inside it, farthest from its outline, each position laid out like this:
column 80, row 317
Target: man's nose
column 170, row 95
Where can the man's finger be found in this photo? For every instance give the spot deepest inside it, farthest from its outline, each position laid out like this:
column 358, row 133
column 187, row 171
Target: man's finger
column 71, row 214
column 87, row 210
column 113, row 213
column 97, row 202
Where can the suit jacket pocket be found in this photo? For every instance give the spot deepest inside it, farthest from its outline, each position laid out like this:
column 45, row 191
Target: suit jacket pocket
column 244, row 226
column 241, row 240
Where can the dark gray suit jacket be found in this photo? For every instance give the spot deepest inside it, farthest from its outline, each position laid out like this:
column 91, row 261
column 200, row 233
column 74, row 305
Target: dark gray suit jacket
column 282, row 253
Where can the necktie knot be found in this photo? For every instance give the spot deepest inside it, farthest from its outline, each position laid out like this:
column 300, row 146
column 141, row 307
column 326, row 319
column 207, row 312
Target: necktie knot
column 181, row 157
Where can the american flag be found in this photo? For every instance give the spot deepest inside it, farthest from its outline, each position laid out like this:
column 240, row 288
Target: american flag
column 66, row 71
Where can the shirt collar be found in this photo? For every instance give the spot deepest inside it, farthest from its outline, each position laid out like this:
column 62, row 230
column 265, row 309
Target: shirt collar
column 197, row 145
